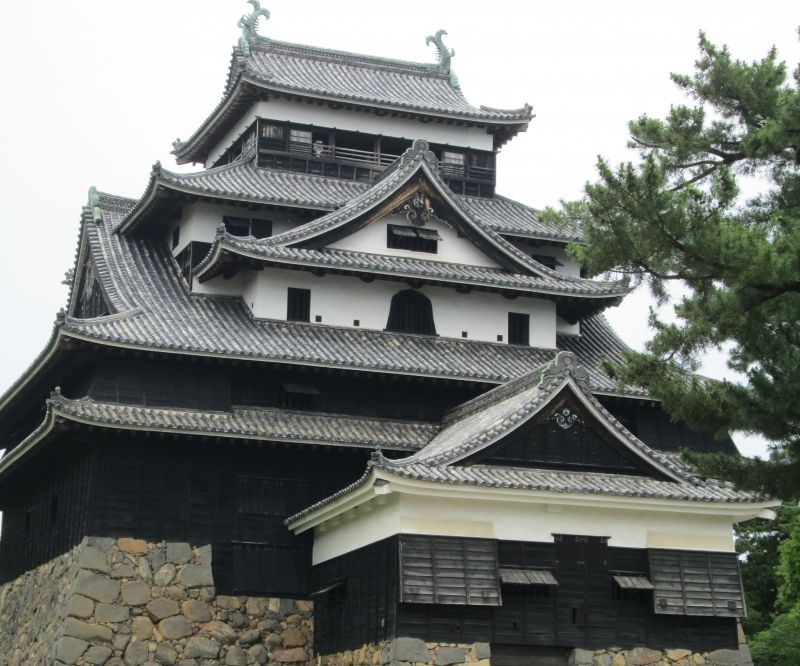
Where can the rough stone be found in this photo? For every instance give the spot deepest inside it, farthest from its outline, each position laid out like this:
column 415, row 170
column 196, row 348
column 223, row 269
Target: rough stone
column 120, row 642
column 273, row 641
column 203, row 554
column 142, row 628
column 581, row 657
column 108, row 613
column 136, row 653
column 87, row 632
column 196, row 575
column 258, row 654
column 145, row 571
column 179, row 553
column 196, row 610
column 199, row 646
column 69, row 650
column 165, row 575
column 642, row 656
column 237, row 620
column 291, row 656
column 157, row 558
column 675, row 655
column 173, row 628
column 136, row 593
column 104, row 544
column 304, row 606
column 698, row 659
column 249, row 637
column 618, row 660
column 723, row 658
column 97, row 655
column 123, row 570
column 228, row 603
column 97, row 586
column 95, row 559
column 80, row 606
column 132, row 546
column 294, row 637
column 187, row 662
column 601, row 660
column 450, row 655
column 256, row 607
column 160, row 608
column 166, row 654
column 409, row 649
column 220, row 631
column 294, row 620
column 236, row 657
column 482, row 651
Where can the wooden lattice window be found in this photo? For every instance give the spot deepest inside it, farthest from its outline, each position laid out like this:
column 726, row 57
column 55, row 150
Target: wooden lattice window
column 415, row 239
column 519, row 328
column 298, row 304
column 411, row 312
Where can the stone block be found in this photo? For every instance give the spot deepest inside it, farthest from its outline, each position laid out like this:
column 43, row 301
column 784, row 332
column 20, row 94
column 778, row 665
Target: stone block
column 79, row 606
column 196, row 610
column 723, row 658
column 237, row 620
column 87, row 632
column 409, row 649
column 203, row 554
column 304, row 606
column 173, row 628
column 157, row 558
column 220, row 631
column 258, row 653
column 123, row 570
column 69, row 650
column 97, row 655
column 196, row 575
column 482, row 651
column 601, row 660
column 104, row 544
column 165, row 575
column 132, row 546
column 698, row 659
column 94, row 559
column 142, row 628
column 450, row 655
column 97, row 586
column 249, row 637
column 228, row 603
column 256, row 607
column 290, row 656
column 136, row 593
column 642, row 656
column 581, row 657
column 294, row 637
column 160, row 608
column 273, row 641
column 175, row 592
column 136, row 653
column 145, row 571
column 107, row 613
column 618, row 660
column 179, row 553
column 120, row 642
column 166, row 654
column 676, row 655
column 200, row 646
column 235, row 657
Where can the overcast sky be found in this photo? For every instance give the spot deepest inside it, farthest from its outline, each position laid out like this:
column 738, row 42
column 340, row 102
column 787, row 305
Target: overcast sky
column 95, row 92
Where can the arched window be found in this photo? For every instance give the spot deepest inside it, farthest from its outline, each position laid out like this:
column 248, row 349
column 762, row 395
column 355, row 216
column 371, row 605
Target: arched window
column 411, row 312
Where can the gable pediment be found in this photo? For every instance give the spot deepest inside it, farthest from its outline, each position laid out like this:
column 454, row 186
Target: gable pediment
column 564, row 436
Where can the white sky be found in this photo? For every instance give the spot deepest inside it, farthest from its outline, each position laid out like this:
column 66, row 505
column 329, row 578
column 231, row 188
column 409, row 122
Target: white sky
column 95, row 92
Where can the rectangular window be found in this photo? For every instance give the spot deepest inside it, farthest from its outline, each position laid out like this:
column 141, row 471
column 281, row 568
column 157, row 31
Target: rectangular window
column 247, row 226
column 519, row 326
column 298, row 304
column 452, row 164
column 269, row 131
column 413, row 239
column 298, row 396
column 300, row 141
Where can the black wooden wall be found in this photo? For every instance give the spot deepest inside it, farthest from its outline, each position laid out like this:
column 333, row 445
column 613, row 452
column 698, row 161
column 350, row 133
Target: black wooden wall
column 45, row 507
column 587, row 609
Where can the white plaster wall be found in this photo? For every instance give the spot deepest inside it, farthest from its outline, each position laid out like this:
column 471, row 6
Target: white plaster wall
column 569, row 265
column 563, row 327
column 199, row 221
column 368, row 123
column 340, row 300
column 453, row 249
column 518, row 521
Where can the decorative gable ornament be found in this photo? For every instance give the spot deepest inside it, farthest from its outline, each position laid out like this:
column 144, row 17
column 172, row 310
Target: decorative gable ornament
column 564, row 364
column 565, row 418
column 444, row 55
column 419, row 211
column 248, row 24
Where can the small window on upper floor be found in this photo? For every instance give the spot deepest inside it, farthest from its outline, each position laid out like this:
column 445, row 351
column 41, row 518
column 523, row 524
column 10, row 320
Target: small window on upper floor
column 190, row 256
column 247, row 226
column 416, row 239
column 300, row 141
column 298, row 396
column 519, row 326
column 298, row 304
column 274, row 132
column 452, row 164
column 411, row 312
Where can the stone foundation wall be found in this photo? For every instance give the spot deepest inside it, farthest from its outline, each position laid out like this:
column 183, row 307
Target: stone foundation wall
column 126, row 602
column 407, row 651
column 641, row 656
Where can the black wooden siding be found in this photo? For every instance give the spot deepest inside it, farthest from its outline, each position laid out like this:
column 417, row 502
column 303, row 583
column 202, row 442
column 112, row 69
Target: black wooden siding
column 45, row 508
column 696, row 583
column 529, row 615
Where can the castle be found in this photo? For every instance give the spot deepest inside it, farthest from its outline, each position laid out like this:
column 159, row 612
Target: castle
column 332, row 397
